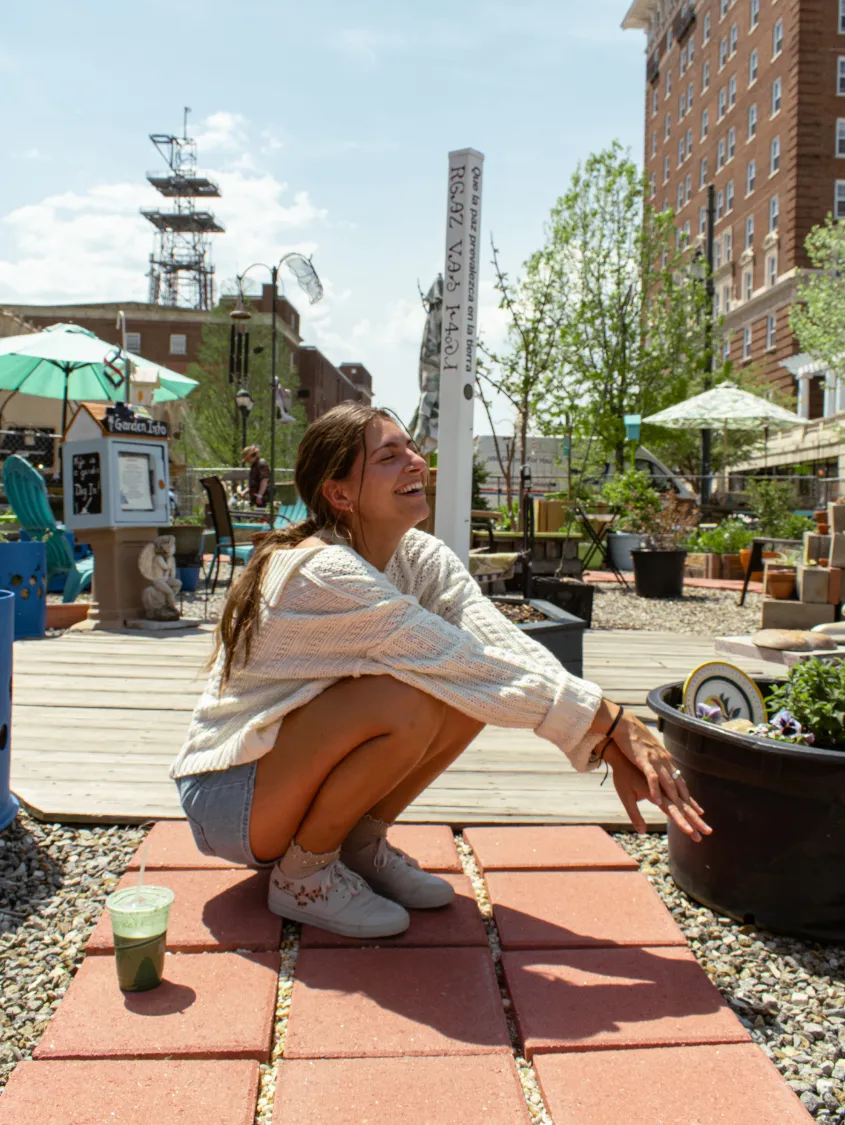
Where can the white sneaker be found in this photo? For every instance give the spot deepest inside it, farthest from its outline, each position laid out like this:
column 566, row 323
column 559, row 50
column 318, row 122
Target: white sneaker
column 395, row 875
column 335, row 899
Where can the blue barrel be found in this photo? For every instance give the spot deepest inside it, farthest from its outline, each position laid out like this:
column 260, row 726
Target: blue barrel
column 23, row 571
column 189, row 576
column 8, row 803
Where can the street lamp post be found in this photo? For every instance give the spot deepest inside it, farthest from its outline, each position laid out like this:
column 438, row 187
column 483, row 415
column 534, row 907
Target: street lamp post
column 702, row 272
column 306, row 275
column 245, row 404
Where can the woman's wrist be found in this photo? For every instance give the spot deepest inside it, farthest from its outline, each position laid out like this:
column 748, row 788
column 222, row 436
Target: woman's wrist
column 607, row 719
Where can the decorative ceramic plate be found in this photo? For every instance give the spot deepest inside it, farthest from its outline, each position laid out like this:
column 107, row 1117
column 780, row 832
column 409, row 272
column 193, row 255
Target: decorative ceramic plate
column 727, row 687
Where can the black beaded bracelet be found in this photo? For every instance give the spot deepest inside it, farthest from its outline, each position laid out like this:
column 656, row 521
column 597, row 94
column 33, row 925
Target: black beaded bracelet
column 608, row 738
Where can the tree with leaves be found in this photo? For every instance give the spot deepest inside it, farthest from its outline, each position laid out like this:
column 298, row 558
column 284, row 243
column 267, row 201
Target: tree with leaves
column 629, row 316
column 818, row 316
column 213, row 433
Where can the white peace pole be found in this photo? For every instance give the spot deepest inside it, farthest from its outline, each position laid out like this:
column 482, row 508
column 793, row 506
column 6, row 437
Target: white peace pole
column 457, row 356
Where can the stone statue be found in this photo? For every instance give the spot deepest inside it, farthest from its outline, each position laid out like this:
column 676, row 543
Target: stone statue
column 157, row 563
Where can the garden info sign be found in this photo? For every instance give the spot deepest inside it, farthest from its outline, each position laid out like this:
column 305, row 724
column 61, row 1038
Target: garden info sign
column 457, row 353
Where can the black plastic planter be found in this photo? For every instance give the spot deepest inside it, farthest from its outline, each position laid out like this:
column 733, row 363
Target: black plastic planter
column 777, row 854
column 659, row 574
column 561, row 633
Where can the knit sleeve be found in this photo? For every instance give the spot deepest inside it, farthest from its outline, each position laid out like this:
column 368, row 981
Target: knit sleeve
column 372, row 628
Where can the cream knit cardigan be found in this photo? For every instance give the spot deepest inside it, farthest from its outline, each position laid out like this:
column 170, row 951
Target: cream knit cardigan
column 327, row 614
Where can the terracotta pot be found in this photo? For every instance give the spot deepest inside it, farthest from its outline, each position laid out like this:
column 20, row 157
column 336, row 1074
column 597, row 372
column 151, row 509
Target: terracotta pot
column 821, row 518
column 745, row 559
column 61, row 615
column 780, row 584
column 822, row 528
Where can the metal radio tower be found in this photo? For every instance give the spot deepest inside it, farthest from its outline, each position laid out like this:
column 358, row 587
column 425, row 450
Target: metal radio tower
column 181, row 272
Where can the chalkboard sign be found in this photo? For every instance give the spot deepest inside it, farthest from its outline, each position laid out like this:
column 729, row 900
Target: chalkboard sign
column 87, row 484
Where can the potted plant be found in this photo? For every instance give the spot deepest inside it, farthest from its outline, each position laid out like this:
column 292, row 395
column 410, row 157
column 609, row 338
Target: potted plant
column 631, row 496
column 775, row 797
column 659, row 565
column 772, row 504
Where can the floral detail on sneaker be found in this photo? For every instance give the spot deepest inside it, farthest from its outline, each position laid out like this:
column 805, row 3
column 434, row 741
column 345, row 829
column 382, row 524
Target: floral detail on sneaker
column 335, row 875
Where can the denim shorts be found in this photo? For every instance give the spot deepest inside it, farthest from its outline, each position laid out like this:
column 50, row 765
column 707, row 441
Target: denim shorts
column 217, row 805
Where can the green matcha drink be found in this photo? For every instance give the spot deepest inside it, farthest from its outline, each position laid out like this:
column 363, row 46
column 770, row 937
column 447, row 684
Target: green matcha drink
column 139, row 925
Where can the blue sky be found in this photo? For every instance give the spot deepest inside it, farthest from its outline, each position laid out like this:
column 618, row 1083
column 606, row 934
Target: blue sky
column 328, row 127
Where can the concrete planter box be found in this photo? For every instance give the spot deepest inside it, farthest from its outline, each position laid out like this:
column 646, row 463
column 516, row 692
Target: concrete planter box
column 561, row 633
column 714, row 566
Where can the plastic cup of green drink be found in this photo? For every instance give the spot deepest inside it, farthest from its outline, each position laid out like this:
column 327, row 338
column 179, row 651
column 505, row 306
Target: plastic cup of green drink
column 139, row 925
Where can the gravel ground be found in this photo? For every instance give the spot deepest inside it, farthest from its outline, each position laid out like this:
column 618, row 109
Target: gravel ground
column 701, row 613
column 789, row 994
column 53, row 884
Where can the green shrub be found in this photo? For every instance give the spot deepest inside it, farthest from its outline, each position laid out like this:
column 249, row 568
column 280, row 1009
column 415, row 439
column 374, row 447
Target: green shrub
column 632, row 496
column 729, row 538
column 814, row 694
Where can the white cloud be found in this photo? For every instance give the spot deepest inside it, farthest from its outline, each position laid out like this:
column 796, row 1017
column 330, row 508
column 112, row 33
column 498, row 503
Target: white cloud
column 222, row 132
column 365, row 45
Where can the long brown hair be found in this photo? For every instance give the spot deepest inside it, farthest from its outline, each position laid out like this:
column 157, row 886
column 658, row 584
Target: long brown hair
column 327, row 452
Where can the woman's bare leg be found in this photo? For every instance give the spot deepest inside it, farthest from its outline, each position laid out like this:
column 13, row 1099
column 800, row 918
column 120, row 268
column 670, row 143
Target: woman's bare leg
column 456, row 732
column 336, row 758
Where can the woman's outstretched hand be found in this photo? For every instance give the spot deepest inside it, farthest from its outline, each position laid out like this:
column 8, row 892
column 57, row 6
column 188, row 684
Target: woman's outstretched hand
column 642, row 769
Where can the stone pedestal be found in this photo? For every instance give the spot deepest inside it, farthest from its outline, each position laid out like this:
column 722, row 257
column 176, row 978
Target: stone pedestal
column 116, row 592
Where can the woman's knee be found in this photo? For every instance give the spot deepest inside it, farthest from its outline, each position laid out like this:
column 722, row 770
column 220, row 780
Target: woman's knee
column 415, row 714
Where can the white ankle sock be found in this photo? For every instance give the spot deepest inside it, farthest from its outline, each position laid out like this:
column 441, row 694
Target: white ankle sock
column 368, row 829
column 297, row 863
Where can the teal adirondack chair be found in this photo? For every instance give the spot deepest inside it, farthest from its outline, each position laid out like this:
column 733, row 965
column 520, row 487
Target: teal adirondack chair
column 290, row 513
column 27, row 494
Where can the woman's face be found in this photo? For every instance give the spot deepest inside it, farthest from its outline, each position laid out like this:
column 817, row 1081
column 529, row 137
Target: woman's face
column 385, row 490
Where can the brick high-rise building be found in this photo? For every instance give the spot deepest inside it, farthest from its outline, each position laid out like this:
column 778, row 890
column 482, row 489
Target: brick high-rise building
column 749, row 95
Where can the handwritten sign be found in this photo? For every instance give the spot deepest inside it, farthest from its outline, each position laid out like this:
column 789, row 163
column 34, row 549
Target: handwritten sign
column 126, row 424
column 87, row 484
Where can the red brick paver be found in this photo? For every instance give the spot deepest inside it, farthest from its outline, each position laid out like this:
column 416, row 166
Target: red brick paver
column 431, row 845
column 546, row 848
column 579, row 909
column 170, row 847
column 212, row 911
column 474, row 1090
column 731, row 1085
column 582, row 999
column 131, row 1092
column 459, row 923
column 210, row 1006
column 351, row 1003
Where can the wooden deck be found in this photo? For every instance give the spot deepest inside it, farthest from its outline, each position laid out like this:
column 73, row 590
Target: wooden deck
column 98, row 718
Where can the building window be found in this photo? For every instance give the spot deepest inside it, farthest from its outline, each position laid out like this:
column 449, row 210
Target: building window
column 752, row 121
column 705, row 123
column 732, row 92
column 731, row 142
column 688, row 189
column 668, row 83
column 729, row 197
column 654, row 103
column 839, row 200
column 777, row 39
column 755, row 13
column 683, row 59
column 733, row 40
column 720, row 205
column 771, row 269
column 726, row 349
column 777, row 95
column 670, row 38
column 750, row 176
column 720, row 155
column 774, row 155
column 680, row 197
column 653, row 185
column 654, row 144
column 726, row 298
column 689, row 98
column 770, row 331
column 842, row 17
column 705, row 76
column 686, row 233
column 689, row 143
column 691, row 49
column 702, row 172
column 723, row 102
column 840, row 77
column 840, row 137
column 747, row 284
column 723, row 51
column 749, row 232
column 133, row 342
column 178, row 345
column 705, row 35
column 723, row 9
column 774, row 213
column 667, row 127
column 753, row 66
column 681, row 150
column 682, row 107
column 717, row 253
column 716, row 302
column 664, row 258
column 702, row 220
column 729, row 243
column 665, row 168
column 746, row 342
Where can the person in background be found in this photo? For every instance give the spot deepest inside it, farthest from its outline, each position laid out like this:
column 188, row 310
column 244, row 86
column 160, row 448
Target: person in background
column 259, row 476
